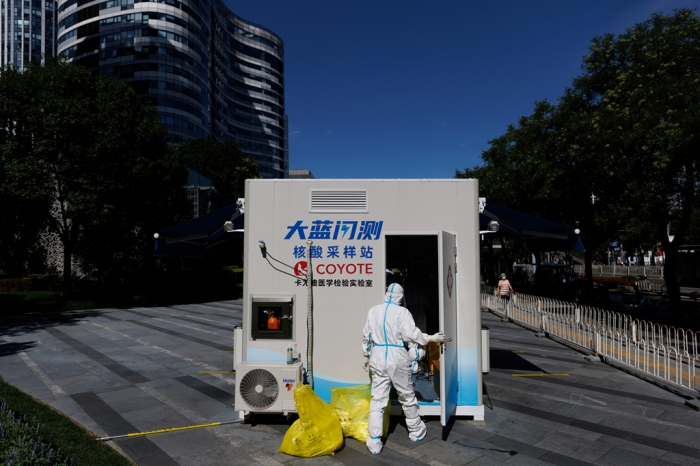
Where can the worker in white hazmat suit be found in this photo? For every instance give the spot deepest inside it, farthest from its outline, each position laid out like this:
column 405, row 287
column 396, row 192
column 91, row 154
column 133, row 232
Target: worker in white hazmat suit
column 388, row 327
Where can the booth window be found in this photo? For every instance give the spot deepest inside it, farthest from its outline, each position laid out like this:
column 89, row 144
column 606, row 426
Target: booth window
column 272, row 320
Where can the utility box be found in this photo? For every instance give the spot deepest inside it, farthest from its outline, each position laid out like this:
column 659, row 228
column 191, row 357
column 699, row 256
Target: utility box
column 485, row 351
column 367, row 234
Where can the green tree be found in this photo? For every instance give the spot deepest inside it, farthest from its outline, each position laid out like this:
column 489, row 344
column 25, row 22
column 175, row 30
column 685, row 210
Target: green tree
column 225, row 163
column 626, row 132
column 86, row 145
column 548, row 165
column 645, row 84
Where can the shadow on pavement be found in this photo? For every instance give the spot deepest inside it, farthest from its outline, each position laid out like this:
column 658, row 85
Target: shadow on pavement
column 504, row 359
column 27, row 323
column 8, row 349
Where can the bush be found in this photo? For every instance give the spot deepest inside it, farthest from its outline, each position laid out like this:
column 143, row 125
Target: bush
column 45, row 282
column 29, row 427
column 32, row 282
column 20, row 442
column 10, row 285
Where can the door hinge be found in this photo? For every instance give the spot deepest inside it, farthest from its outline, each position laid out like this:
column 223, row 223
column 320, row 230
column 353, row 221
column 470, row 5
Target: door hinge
column 455, row 267
column 458, row 385
column 455, row 251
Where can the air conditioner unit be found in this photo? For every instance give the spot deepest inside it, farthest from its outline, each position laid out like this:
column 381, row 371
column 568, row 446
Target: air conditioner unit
column 266, row 387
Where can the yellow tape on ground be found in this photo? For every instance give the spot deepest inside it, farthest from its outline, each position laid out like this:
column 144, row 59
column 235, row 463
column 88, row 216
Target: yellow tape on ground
column 217, row 372
column 227, row 351
column 538, row 375
column 493, row 340
column 517, row 351
column 173, row 429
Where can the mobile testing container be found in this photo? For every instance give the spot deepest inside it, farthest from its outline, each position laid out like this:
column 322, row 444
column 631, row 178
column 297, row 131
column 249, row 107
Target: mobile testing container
column 366, row 234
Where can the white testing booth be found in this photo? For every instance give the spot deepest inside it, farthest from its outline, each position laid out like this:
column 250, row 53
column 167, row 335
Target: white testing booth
column 425, row 231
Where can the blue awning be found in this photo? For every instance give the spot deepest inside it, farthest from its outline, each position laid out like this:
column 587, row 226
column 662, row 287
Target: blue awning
column 539, row 234
column 191, row 238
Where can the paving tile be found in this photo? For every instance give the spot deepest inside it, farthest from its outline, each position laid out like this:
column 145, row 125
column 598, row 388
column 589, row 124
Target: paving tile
column 137, row 404
column 122, row 407
column 635, row 425
column 532, row 402
column 224, row 455
column 400, row 436
column 524, row 460
column 389, row 455
column 144, row 451
column 580, row 412
column 318, row 461
column 271, row 447
column 352, row 457
column 215, row 393
column 437, row 431
column 486, row 461
column 522, row 431
column 680, row 436
column 186, row 441
column 160, row 459
column 562, row 460
column 448, row 453
column 682, row 416
column 489, row 449
column 148, row 418
column 631, row 446
column 618, row 456
column 473, row 432
column 675, row 458
column 584, row 434
column 573, row 446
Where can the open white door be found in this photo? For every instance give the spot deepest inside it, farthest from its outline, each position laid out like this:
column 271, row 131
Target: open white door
column 447, row 256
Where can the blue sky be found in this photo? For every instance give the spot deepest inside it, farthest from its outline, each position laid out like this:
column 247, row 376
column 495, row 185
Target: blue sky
column 416, row 89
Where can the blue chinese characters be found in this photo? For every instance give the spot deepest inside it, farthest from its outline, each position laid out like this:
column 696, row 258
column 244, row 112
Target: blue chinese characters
column 366, row 230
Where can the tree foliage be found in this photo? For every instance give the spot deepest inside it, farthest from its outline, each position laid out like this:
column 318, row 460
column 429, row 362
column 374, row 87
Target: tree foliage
column 626, row 131
column 646, row 88
column 225, row 163
column 86, row 146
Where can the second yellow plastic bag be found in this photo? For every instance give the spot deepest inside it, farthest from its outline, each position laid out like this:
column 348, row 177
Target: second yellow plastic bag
column 352, row 405
column 317, row 432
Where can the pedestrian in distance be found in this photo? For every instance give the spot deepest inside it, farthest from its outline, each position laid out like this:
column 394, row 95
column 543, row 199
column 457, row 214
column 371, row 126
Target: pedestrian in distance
column 504, row 288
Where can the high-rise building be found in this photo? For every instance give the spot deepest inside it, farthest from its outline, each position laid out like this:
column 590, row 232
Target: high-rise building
column 301, row 173
column 27, row 31
column 209, row 72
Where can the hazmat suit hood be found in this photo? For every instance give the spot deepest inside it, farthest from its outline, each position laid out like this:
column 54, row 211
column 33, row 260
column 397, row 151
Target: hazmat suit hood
column 394, row 294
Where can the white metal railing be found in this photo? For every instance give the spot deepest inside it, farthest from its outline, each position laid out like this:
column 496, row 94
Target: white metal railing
column 656, row 271
column 648, row 285
column 666, row 352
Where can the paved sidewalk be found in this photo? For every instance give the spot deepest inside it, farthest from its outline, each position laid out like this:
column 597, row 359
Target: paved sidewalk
column 130, row 370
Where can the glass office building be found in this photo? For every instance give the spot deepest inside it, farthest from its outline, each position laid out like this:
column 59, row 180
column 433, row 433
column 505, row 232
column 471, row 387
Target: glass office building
column 27, row 31
column 209, row 72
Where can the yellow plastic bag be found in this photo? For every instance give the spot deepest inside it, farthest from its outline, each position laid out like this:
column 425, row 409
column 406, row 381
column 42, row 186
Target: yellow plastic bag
column 317, row 432
column 352, row 405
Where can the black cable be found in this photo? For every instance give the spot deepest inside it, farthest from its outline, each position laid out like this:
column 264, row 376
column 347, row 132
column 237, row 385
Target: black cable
column 282, row 271
column 278, row 261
